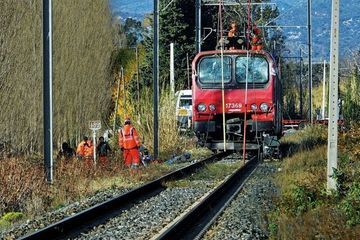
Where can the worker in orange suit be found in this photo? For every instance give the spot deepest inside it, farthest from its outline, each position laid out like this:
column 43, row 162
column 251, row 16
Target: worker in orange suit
column 129, row 144
column 256, row 40
column 85, row 151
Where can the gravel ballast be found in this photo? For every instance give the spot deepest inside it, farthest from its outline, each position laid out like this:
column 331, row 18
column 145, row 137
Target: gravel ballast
column 52, row 217
column 146, row 219
column 245, row 217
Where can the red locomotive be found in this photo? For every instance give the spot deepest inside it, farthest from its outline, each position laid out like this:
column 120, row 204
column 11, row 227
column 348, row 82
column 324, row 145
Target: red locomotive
column 228, row 84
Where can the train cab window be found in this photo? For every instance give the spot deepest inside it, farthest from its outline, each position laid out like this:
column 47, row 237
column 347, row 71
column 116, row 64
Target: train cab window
column 185, row 102
column 258, row 70
column 210, row 70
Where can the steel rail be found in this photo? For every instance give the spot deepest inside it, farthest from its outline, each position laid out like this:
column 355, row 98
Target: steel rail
column 100, row 213
column 194, row 224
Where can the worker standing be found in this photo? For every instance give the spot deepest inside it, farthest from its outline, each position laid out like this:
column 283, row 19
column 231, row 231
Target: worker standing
column 232, row 36
column 256, row 40
column 103, row 150
column 85, row 151
column 129, row 144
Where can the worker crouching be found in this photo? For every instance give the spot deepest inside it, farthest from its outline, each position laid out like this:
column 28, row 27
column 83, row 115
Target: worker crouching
column 129, row 144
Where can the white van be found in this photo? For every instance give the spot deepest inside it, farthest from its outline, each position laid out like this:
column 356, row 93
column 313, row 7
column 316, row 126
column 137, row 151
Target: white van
column 184, row 108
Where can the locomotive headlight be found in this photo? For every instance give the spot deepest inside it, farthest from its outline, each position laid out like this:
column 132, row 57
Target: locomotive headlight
column 254, row 107
column 212, row 107
column 264, row 107
column 201, row 107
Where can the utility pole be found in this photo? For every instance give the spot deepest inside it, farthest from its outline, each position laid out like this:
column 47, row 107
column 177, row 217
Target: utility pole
column 301, row 88
column 323, row 92
column 47, row 89
column 333, row 96
column 117, row 99
column 188, row 70
column 172, row 74
column 198, row 25
column 310, row 63
column 124, row 86
column 137, row 73
column 156, row 78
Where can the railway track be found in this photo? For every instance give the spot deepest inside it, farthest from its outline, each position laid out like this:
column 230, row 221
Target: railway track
column 105, row 218
column 72, row 226
column 197, row 219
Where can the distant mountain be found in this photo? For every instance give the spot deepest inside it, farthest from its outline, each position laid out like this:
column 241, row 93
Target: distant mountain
column 293, row 12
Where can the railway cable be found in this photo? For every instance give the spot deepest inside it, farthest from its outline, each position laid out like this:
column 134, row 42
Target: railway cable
column 220, row 26
column 246, row 79
column 253, row 85
column 220, row 37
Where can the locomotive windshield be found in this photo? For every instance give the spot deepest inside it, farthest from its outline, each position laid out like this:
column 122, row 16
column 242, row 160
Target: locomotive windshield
column 210, row 69
column 258, row 69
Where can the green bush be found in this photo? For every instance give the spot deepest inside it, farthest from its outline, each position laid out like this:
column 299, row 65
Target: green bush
column 351, row 105
column 299, row 200
column 351, row 204
column 9, row 218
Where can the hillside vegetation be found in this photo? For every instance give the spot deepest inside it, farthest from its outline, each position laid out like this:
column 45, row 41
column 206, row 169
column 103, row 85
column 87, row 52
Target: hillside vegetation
column 305, row 209
column 82, row 48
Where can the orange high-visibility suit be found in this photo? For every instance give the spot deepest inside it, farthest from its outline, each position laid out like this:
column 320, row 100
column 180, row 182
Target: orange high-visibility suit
column 129, row 143
column 256, row 40
column 85, row 150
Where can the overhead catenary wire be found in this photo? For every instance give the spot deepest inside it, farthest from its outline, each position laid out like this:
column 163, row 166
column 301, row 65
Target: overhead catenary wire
column 222, row 71
column 246, row 78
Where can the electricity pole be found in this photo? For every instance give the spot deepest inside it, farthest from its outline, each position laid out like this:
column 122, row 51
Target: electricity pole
column 47, row 89
column 137, row 73
column 310, row 63
column 333, row 96
column 117, row 99
column 301, row 88
column 172, row 71
column 198, row 25
column 188, row 70
column 323, row 92
column 124, row 87
column 156, row 78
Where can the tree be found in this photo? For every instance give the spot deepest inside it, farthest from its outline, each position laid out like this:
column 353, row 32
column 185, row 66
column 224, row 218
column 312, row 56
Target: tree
column 176, row 26
column 351, row 107
column 133, row 31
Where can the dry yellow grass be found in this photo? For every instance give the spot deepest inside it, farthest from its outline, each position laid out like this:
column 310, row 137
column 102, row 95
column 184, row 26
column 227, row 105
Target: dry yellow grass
column 82, row 48
column 171, row 141
column 305, row 210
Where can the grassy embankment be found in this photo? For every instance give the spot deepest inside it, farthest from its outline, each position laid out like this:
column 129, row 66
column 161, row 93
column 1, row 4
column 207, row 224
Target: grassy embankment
column 304, row 209
column 24, row 194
